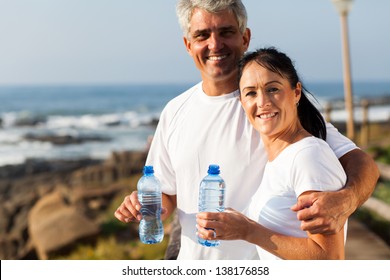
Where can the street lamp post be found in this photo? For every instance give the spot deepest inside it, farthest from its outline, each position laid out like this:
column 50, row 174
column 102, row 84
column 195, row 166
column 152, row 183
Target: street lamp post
column 343, row 7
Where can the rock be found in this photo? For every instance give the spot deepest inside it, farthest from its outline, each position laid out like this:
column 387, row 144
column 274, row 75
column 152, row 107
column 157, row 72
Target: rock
column 48, row 207
column 7, row 248
column 93, row 200
column 129, row 162
column 29, row 120
column 54, row 226
column 64, row 139
column 37, row 166
column 4, row 221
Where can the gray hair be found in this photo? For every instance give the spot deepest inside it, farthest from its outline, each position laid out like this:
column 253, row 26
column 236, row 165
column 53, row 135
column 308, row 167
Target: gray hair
column 185, row 9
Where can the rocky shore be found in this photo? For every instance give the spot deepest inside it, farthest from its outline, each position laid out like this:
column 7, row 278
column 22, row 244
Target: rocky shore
column 48, row 206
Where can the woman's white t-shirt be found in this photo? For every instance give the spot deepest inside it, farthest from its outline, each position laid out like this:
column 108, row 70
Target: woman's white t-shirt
column 307, row 165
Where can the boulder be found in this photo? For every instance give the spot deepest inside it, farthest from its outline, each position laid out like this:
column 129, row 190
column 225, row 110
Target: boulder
column 54, row 226
column 65, row 139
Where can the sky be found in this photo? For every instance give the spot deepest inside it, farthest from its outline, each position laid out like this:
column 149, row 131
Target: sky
column 131, row 41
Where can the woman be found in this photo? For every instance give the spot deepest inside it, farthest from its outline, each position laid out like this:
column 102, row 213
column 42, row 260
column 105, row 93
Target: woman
column 299, row 163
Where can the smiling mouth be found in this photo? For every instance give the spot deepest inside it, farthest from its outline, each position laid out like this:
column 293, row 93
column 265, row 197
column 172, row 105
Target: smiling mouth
column 267, row 116
column 217, row 57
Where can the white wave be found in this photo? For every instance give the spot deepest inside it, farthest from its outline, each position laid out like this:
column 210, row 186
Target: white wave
column 7, row 137
column 89, row 121
column 131, row 119
column 17, row 153
column 14, row 149
column 9, row 119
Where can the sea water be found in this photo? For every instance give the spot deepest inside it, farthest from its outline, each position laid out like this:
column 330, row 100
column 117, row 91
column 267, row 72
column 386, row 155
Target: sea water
column 124, row 114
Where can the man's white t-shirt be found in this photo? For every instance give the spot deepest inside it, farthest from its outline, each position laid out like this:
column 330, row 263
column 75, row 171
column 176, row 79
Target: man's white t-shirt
column 196, row 130
column 307, row 165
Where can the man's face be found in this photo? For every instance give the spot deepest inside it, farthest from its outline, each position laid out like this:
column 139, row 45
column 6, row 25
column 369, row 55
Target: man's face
column 216, row 44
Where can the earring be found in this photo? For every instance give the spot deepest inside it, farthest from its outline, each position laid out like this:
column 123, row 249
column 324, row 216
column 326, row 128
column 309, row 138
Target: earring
column 297, row 104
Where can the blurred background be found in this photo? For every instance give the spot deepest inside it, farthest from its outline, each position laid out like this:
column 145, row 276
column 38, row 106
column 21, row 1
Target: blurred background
column 82, row 85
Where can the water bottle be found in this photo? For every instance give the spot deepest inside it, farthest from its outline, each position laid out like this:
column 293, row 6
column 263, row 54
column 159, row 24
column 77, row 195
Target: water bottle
column 211, row 197
column 151, row 229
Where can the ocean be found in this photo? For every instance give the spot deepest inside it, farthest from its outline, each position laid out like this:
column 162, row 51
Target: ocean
column 102, row 119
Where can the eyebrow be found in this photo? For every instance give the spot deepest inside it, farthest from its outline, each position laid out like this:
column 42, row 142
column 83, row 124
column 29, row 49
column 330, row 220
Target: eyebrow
column 270, row 82
column 248, row 88
column 266, row 84
column 223, row 28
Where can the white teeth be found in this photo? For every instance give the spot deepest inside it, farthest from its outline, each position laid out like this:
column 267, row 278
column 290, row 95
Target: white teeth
column 266, row 116
column 216, row 58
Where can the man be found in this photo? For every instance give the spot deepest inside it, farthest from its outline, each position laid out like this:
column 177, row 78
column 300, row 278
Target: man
column 206, row 124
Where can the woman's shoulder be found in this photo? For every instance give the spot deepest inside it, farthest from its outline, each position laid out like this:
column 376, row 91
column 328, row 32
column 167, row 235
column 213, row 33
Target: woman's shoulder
column 310, row 148
column 310, row 143
column 314, row 151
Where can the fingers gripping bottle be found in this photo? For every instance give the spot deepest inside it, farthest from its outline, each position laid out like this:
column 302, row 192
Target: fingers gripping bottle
column 211, row 197
column 151, row 229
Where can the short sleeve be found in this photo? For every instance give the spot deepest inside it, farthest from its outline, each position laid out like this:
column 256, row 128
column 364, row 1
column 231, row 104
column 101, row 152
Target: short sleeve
column 317, row 168
column 158, row 156
column 338, row 142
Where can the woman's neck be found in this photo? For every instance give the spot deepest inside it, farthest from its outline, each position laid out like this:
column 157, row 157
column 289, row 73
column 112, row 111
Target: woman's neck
column 277, row 143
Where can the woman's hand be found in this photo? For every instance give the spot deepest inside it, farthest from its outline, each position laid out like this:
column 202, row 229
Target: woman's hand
column 227, row 225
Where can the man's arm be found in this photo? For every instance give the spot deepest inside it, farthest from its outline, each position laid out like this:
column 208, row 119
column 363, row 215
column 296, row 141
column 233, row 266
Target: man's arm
column 327, row 212
column 362, row 176
column 169, row 203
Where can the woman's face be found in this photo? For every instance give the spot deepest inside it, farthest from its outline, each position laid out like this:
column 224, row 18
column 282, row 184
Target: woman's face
column 268, row 100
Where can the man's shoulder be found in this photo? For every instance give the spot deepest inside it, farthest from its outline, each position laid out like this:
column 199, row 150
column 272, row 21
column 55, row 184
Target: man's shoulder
column 185, row 95
column 177, row 102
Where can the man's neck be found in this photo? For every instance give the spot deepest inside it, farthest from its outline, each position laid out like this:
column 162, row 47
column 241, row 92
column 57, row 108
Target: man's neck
column 218, row 88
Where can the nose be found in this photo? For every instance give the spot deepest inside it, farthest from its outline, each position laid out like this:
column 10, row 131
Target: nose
column 215, row 42
column 263, row 100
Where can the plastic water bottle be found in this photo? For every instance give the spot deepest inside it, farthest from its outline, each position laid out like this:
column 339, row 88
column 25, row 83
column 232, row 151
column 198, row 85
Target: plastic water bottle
column 211, row 197
column 151, row 229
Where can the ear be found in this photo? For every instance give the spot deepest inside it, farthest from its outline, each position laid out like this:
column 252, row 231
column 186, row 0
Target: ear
column 297, row 92
column 246, row 39
column 188, row 45
column 239, row 98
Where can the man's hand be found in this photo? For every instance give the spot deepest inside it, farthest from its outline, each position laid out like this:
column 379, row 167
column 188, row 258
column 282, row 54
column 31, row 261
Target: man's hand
column 323, row 212
column 129, row 209
column 327, row 212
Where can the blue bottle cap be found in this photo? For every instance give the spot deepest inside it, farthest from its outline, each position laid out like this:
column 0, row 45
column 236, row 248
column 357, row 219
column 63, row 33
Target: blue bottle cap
column 213, row 169
column 148, row 169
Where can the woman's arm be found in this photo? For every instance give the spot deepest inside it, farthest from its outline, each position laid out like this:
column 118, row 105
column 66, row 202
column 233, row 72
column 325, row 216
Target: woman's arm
column 232, row 225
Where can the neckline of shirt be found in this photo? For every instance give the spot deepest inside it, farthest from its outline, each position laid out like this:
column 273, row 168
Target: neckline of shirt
column 216, row 99
column 306, row 141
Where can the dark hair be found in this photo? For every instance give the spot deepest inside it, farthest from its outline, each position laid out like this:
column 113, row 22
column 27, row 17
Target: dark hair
column 278, row 62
